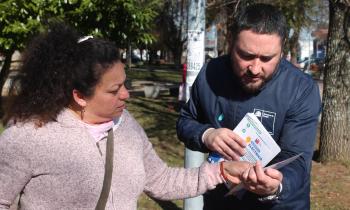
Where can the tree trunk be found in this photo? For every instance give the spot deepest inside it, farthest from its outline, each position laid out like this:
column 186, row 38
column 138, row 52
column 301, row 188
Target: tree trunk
column 141, row 52
column 335, row 126
column 293, row 45
column 152, row 56
column 177, row 57
column 128, row 55
column 5, row 70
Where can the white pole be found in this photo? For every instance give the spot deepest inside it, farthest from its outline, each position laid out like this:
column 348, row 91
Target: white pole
column 195, row 60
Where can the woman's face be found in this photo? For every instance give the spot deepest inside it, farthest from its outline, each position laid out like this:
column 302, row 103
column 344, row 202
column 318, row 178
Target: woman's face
column 108, row 100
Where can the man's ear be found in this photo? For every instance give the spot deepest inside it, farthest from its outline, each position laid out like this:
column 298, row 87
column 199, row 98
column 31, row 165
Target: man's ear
column 79, row 98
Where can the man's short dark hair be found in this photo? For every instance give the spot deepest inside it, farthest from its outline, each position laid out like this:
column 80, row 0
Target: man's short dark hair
column 261, row 19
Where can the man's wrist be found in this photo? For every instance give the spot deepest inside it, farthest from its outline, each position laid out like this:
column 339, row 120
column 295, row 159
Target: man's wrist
column 274, row 196
column 205, row 134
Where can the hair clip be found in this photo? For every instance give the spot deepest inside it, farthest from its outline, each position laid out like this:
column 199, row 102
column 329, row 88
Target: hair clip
column 84, row 38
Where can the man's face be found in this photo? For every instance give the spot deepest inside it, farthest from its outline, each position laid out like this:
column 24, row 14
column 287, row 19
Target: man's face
column 255, row 58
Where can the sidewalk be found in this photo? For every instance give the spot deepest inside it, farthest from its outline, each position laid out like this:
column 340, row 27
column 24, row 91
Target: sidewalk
column 152, row 89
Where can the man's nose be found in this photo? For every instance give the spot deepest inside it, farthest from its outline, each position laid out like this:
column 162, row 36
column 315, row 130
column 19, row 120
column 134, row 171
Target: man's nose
column 255, row 67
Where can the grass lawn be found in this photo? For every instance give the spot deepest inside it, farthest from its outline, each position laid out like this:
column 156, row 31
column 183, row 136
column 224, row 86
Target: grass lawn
column 330, row 182
column 154, row 75
column 330, row 185
column 158, row 118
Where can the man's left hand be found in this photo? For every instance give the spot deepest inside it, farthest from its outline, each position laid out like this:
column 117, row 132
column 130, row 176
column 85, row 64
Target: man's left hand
column 260, row 181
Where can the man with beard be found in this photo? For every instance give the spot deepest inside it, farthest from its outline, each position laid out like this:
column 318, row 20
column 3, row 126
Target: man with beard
column 255, row 78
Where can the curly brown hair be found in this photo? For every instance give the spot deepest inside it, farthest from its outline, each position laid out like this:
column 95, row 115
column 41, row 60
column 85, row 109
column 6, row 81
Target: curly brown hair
column 54, row 64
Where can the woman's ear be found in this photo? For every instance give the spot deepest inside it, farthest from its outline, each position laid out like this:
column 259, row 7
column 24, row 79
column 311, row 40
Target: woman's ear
column 79, row 98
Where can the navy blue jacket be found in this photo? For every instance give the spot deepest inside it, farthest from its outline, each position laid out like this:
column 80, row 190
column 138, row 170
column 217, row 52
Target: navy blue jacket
column 288, row 106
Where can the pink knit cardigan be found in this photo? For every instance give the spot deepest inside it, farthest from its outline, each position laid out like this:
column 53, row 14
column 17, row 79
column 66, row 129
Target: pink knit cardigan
column 59, row 166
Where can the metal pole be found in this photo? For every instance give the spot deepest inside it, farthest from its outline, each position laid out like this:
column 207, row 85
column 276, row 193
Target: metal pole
column 195, row 60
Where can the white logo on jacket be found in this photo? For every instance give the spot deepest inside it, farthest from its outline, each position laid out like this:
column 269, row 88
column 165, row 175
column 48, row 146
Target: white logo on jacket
column 267, row 118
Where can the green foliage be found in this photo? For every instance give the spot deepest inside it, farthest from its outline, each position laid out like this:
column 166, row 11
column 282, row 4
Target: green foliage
column 18, row 21
column 171, row 22
column 298, row 12
column 123, row 21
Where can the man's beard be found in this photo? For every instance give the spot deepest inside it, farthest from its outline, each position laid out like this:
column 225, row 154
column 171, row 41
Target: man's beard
column 250, row 88
column 255, row 88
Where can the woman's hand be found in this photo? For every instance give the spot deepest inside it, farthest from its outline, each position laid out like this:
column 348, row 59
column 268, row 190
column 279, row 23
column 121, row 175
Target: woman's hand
column 233, row 170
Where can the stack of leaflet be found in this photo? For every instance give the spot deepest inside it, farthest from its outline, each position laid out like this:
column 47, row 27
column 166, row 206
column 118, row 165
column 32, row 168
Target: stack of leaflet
column 260, row 145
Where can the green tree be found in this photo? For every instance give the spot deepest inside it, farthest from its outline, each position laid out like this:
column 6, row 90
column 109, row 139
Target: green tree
column 335, row 125
column 298, row 14
column 171, row 22
column 18, row 22
column 124, row 21
column 222, row 13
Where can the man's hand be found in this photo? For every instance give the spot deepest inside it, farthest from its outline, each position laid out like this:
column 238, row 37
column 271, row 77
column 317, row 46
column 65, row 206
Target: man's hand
column 225, row 142
column 260, row 181
column 233, row 170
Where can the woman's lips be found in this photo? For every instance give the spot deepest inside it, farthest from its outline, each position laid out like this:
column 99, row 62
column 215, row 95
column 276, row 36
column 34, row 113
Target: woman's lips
column 121, row 107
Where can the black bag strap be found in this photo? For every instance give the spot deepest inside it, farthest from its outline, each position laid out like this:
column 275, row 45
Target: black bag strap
column 101, row 204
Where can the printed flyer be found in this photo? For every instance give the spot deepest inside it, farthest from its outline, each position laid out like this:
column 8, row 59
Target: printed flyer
column 260, row 145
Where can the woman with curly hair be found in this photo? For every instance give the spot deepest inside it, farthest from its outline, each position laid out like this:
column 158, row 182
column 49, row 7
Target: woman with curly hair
column 71, row 144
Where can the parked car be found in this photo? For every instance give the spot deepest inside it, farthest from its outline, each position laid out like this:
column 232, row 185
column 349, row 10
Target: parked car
column 313, row 67
column 312, row 64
